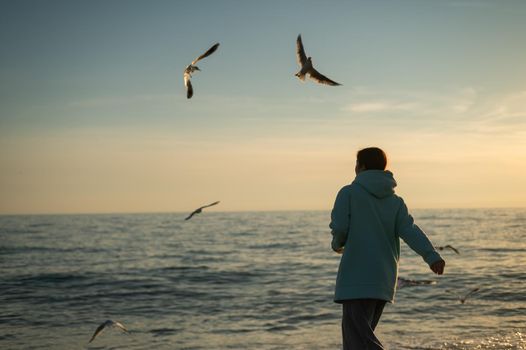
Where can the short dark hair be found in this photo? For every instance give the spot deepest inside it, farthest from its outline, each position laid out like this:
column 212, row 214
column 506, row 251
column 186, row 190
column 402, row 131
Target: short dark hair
column 372, row 158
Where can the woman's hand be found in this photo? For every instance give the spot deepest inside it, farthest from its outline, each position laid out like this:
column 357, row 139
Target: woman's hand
column 438, row 267
column 339, row 250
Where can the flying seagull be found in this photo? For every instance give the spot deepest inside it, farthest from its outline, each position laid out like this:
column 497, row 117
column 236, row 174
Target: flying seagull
column 107, row 323
column 403, row 282
column 463, row 299
column 448, row 247
column 307, row 68
column 199, row 210
column 192, row 68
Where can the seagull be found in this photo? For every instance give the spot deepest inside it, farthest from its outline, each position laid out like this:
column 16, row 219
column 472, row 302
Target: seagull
column 463, row 299
column 192, row 68
column 107, row 323
column 403, row 282
column 307, row 68
column 199, row 210
column 448, row 247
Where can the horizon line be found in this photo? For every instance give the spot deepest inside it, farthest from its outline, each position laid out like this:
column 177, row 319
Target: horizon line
column 238, row 211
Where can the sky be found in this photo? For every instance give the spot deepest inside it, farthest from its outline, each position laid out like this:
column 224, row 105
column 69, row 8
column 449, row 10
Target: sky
column 94, row 117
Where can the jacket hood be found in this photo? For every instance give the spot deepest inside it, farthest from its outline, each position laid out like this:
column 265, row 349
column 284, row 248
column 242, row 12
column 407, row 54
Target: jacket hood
column 379, row 183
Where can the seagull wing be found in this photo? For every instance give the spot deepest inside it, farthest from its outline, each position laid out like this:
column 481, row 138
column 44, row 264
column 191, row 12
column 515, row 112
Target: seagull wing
column 452, row 248
column 120, row 325
column 322, row 79
column 300, row 52
column 207, row 53
column 188, row 85
column 98, row 331
column 191, row 214
column 209, row 205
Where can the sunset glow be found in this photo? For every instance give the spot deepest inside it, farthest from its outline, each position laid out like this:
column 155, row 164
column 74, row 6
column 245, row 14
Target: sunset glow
column 94, row 116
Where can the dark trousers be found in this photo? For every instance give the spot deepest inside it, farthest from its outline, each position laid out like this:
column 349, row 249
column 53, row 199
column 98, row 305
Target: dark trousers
column 360, row 317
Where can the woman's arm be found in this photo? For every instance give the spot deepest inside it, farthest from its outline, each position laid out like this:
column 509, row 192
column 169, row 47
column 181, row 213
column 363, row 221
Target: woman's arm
column 340, row 218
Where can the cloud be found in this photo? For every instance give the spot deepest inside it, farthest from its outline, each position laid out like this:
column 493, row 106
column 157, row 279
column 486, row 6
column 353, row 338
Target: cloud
column 422, row 110
column 512, row 106
column 464, row 100
column 507, row 114
column 467, row 110
column 370, row 101
column 379, row 106
column 118, row 101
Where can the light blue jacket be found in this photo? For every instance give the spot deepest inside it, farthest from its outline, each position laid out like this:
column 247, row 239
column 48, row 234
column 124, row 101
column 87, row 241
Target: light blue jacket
column 368, row 220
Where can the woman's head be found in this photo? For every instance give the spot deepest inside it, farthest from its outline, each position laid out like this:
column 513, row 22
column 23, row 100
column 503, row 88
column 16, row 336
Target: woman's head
column 371, row 158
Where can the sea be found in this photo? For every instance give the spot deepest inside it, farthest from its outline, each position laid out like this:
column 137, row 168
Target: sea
column 248, row 280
